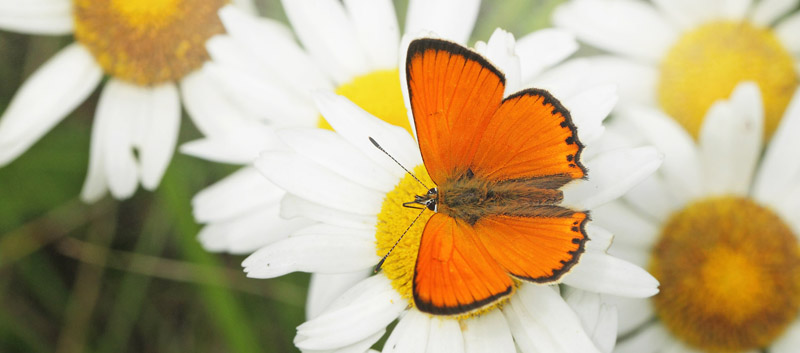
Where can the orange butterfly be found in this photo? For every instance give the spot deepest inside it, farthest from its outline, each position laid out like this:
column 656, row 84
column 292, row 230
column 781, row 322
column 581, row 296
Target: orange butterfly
column 498, row 164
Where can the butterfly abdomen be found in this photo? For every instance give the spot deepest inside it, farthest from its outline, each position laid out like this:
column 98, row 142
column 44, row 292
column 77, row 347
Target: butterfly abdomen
column 471, row 198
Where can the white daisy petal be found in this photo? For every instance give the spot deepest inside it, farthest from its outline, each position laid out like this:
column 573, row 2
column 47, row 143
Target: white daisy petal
column 95, row 186
column 611, row 174
column 246, row 234
column 410, row 335
column 241, row 145
column 488, row 332
column 602, row 273
column 46, row 97
column 735, row 9
column 636, row 82
column 788, row 31
column 209, row 108
column 318, row 253
column 158, row 133
column 730, row 142
column 249, row 92
column 541, row 321
column 599, row 238
column 780, row 167
column 311, row 181
column 681, row 167
column 445, row 336
column 324, row 288
column 37, row 16
column 588, row 110
column 637, row 255
column 357, row 126
column 377, row 28
column 632, row 312
column 598, row 319
column 264, row 38
column 789, row 340
column 653, row 198
column 249, row 232
column 328, row 149
column 238, row 193
column 766, row 12
column 361, row 346
column 328, row 34
column 652, row 339
column 626, row 27
column 449, row 19
column 687, row 13
column 500, row 52
column 627, row 225
column 366, row 308
column 542, row 49
column 294, row 206
column 120, row 106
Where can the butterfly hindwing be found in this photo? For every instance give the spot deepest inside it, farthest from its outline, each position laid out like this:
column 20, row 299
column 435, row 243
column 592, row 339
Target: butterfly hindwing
column 537, row 249
column 454, row 274
column 531, row 135
column 454, row 92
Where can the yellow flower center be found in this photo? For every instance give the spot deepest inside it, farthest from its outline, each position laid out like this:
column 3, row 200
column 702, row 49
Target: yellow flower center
column 393, row 220
column 380, row 94
column 730, row 275
column 147, row 42
column 708, row 62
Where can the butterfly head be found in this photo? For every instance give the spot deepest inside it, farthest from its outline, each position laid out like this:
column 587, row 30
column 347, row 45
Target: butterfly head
column 429, row 200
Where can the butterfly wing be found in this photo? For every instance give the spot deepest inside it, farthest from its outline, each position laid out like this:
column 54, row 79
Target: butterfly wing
column 454, row 274
column 454, row 92
column 530, row 136
column 538, row 249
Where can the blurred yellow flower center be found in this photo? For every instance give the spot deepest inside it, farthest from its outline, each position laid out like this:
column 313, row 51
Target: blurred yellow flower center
column 380, row 94
column 147, row 42
column 704, row 65
column 730, row 275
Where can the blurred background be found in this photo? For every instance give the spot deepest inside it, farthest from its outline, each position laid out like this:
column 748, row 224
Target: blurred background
column 130, row 276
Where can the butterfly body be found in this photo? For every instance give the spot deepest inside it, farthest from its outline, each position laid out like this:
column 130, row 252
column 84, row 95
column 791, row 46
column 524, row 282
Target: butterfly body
column 469, row 198
column 498, row 164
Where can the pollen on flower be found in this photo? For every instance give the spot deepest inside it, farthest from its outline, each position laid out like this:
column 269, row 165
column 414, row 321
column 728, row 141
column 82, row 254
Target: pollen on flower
column 380, row 94
column 705, row 65
column 147, row 42
column 392, row 222
column 730, row 275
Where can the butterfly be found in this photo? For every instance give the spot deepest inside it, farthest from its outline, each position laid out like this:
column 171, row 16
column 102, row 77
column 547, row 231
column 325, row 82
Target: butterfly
column 498, row 165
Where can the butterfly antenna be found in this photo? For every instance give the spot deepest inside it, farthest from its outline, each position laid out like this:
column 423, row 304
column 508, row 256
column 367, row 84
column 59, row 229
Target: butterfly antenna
column 398, row 163
column 380, row 263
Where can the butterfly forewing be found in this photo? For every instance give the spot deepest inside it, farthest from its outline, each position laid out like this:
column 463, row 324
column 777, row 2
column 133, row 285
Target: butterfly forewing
column 454, row 92
column 530, row 135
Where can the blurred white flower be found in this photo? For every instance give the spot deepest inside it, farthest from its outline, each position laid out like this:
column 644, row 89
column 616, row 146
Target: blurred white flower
column 718, row 226
column 146, row 47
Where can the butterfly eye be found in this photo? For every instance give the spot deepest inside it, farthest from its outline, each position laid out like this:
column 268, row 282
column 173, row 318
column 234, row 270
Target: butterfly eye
column 432, row 205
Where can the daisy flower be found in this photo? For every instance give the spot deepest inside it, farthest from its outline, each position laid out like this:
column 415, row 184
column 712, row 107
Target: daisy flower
column 718, row 226
column 681, row 56
column 354, row 193
column 145, row 47
column 351, row 48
